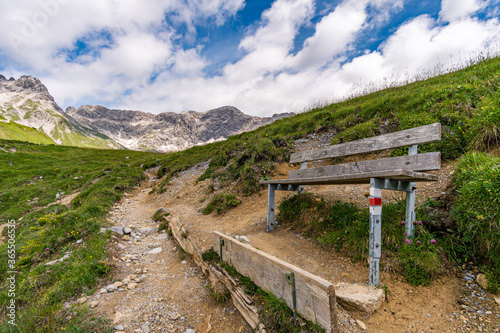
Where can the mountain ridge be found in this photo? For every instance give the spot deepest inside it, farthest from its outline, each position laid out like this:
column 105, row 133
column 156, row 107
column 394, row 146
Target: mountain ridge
column 28, row 102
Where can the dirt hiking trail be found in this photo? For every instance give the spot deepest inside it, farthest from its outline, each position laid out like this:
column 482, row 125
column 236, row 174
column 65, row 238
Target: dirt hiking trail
column 155, row 288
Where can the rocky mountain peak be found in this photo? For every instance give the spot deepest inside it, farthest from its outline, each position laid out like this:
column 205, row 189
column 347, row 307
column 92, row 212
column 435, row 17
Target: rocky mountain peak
column 25, row 84
column 31, row 83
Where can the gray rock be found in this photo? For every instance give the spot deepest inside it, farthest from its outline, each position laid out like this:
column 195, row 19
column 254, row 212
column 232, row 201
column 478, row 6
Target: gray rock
column 118, row 230
column 174, row 315
column 482, row 281
column 145, row 328
column 361, row 298
column 127, row 231
column 189, row 331
column 79, row 241
column 119, row 327
column 82, row 300
column 467, row 308
column 147, row 231
column 243, row 239
column 155, row 251
column 111, row 288
column 361, row 324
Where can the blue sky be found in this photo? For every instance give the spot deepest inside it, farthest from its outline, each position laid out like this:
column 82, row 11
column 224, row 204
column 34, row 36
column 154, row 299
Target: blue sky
column 263, row 57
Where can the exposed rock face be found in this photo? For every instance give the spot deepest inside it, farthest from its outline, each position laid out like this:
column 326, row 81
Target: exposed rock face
column 27, row 101
column 168, row 131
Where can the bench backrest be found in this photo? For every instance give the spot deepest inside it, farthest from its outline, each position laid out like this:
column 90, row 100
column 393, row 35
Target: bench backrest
column 413, row 162
column 414, row 136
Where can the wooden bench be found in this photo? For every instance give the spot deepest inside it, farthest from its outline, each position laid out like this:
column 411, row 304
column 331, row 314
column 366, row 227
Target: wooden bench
column 396, row 173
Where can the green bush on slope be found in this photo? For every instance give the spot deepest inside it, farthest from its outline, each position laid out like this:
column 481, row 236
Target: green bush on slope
column 475, row 210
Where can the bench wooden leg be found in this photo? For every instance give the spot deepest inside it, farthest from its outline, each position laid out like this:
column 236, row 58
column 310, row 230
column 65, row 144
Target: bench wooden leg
column 410, row 210
column 270, row 206
column 375, row 240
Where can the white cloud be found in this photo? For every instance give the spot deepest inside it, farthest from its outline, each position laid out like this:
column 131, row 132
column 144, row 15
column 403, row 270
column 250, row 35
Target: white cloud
column 270, row 80
column 452, row 10
column 333, row 34
column 421, row 43
column 271, row 43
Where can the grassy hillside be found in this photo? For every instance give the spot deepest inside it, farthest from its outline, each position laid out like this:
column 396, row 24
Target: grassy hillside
column 467, row 103
column 18, row 132
column 63, row 132
column 30, row 178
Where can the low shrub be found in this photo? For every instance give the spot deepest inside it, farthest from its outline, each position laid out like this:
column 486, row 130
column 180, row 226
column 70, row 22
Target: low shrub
column 221, row 203
column 161, row 215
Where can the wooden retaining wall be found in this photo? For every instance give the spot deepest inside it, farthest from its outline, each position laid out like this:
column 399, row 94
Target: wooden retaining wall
column 315, row 297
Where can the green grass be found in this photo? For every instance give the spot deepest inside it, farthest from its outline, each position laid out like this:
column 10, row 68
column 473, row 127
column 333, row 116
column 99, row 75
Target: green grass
column 220, row 297
column 160, row 216
column 14, row 131
column 30, row 177
column 476, row 214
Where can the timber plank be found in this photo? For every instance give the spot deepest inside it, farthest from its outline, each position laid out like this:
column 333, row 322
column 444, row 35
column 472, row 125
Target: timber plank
column 419, row 162
column 359, row 178
column 414, row 136
column 315, row 296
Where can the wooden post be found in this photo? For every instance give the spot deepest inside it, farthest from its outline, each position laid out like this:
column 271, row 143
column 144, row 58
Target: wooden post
column 410, row 199
column 270, row 206
column 375, row 241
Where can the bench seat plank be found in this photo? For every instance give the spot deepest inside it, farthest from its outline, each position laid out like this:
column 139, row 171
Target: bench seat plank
column 358, row 178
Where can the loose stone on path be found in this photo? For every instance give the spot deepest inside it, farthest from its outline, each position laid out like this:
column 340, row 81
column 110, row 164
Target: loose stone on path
column 155, row 251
